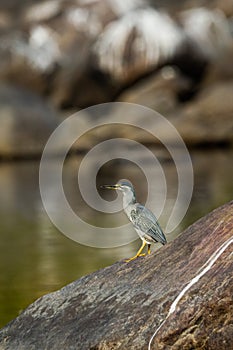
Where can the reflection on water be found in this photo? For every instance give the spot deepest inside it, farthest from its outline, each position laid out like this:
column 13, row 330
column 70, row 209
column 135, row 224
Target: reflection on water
column 35, row 258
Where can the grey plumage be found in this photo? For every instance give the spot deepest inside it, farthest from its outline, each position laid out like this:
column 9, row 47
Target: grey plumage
column 145, row 221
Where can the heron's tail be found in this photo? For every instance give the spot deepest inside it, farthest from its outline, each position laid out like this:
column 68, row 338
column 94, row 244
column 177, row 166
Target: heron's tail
column 162, row 238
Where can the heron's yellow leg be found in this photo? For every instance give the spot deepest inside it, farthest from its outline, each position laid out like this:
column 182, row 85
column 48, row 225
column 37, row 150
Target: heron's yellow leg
column 138, row 253
column 148, row 251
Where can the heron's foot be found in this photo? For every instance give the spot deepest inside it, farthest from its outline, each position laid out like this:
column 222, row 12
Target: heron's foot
column 134, row 257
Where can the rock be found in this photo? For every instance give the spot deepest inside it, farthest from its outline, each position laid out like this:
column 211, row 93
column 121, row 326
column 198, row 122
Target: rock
column 205, row 119
column 146, row 39
column 26, row 122
column 49, row 50
column 121, row 306
column 225, row 6
column 175, row 6
column 208, row 29
column 208, row 118
column 80, row 53
column 159, row 91
column 5, row 20
column 42, row 11
column 136, row 43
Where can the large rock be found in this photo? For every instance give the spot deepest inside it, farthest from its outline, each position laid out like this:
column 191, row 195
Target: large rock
column 159, row 91
column 208, row 118
column 121, row 306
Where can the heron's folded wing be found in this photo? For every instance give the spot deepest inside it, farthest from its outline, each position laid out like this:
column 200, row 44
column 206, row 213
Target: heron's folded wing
column 146, row 221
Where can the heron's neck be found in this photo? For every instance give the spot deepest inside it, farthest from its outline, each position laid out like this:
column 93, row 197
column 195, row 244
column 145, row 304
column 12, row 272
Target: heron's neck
column 128, row 199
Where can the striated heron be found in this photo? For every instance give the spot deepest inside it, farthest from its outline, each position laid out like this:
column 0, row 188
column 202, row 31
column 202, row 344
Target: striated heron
column 143, row 220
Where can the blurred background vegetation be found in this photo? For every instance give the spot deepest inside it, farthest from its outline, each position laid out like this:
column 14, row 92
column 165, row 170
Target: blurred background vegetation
column 59, row 56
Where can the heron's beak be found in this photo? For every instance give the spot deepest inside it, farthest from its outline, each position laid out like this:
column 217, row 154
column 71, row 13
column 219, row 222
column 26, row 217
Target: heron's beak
column 110, row 187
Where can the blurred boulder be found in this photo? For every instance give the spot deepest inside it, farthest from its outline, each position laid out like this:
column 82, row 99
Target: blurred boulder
column 26, row 122
column 5, row 20
column 28, row 60
column 136, row 43
column 207, row 118
column 225, row 5
column 208, row 30
column 42, row 11
column 146, row 39
column 49, row 51
column 80, row 53
column 159, row 91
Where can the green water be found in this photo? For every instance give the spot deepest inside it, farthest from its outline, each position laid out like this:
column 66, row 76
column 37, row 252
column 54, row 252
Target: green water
column 35, row 258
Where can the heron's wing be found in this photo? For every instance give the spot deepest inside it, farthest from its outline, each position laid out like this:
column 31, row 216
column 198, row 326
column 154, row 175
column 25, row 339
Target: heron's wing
column 145, row 221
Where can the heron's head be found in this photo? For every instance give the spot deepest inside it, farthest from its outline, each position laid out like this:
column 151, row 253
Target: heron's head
column 123, row 185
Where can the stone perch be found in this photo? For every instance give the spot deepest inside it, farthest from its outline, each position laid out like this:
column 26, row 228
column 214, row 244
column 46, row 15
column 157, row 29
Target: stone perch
column 122, row 306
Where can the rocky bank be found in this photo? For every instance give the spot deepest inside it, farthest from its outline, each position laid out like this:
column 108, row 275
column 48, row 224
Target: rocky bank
column 175, row 58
